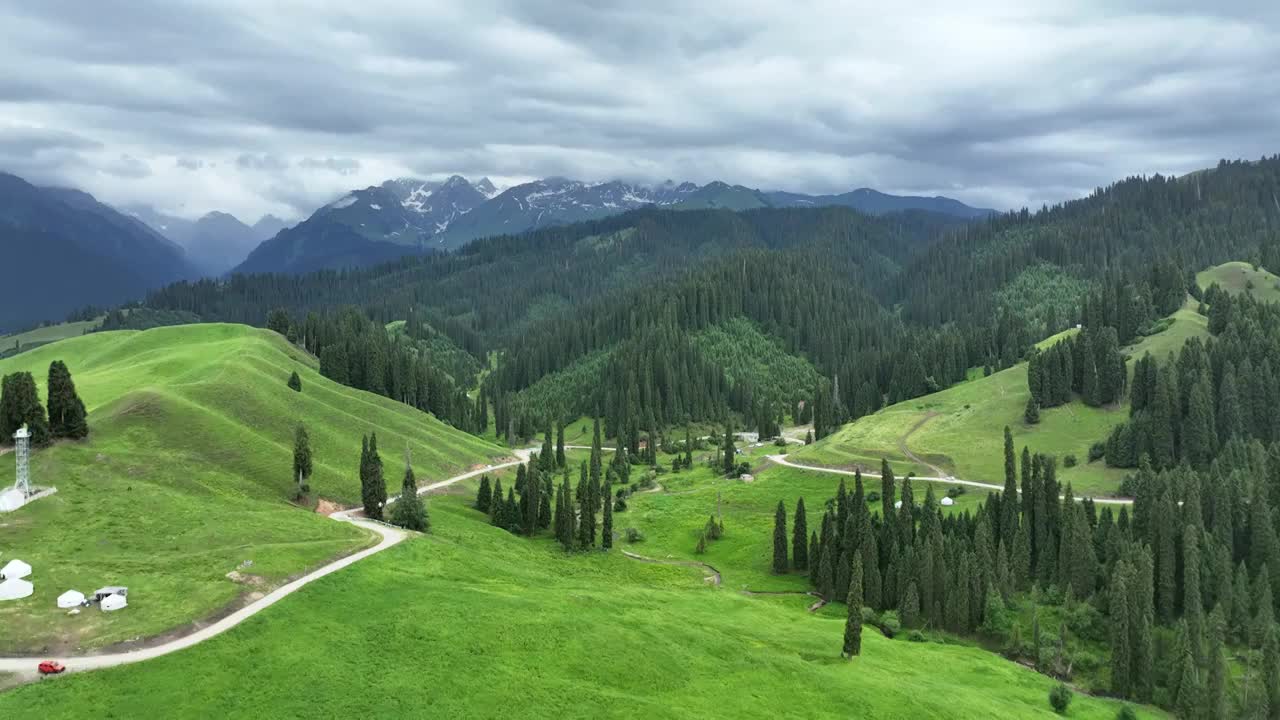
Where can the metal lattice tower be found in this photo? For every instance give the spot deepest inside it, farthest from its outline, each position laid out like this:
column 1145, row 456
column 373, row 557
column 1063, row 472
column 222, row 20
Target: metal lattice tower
column 22, row 452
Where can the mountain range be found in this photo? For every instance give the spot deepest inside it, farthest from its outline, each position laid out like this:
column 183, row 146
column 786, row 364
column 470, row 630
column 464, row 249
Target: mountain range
column 64, row 250
column 215, row 242
column 408, row 216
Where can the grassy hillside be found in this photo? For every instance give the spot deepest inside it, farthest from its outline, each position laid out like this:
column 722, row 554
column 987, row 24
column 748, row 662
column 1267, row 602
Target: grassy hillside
column 472, row 622
column 960, row 429
column 11, row 344
column 187, row 474
column 1239, row 277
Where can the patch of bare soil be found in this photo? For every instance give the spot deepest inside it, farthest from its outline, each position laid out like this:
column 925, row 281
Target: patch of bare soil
column 327, row 507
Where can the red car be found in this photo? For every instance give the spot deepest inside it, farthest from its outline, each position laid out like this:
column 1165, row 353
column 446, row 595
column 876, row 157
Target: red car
column 49, row 667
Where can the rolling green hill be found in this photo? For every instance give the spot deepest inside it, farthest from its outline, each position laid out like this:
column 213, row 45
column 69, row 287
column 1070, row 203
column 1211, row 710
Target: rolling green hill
column 960, row 429
column 1239, row 277
column 186, row 475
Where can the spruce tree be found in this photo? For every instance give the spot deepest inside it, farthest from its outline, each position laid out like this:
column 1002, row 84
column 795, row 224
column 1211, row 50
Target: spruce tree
column 606, row 526
column 410, row 511
column 586, row 513
column 1031, row 414
column 800, row 538
column 295, row 382
column 1271, row 671
column 497, row 505
column 1217, row 698
column 484, row 494
column 815, row 551
column 780, row 564
column 368, row 497
column 909, row 611
column 1009, row 499
column 302, row 465
column 597, row 452
column 730, row 453
column 20, row 405
column 560, row 461
column 67, row 417
column 1121, row 633
column 853, row 620
column 826, row 576
column 1192, row 605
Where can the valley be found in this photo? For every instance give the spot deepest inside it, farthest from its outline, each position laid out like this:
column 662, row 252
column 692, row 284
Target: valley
column 966, row 577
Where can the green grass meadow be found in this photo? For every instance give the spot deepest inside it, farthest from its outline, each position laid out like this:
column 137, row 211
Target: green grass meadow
column 187, row 474
column 471, row 621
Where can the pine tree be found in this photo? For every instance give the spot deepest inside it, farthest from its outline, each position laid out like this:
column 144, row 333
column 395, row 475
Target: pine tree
column 560, row 461
column 302, row 460
column 1009, row 499
column 800, row 538
column 853, row 621
column 586, row 512
column 909, row 611
column 1121, row 633
column 1271, row 672
column 295, row 382
column 1192, row 605
column 780, row 564
column 410, row 511
column 20, row 405
column 497, row 505
column 606, row 526
column 826, row 576
column 730, row 453
column 547, row 458
column 1031, row 415
column 1217, row 699
column 597, row 451
column 67, row 417
column 484, row 494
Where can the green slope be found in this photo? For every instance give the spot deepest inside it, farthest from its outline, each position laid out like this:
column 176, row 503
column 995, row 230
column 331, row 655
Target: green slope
column 473, row 622
column 187, row 474
column 960, row 429
column 1240, row 277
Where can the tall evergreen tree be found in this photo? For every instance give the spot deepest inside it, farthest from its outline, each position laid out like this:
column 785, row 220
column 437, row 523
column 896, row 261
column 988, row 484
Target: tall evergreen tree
column 730, row 453
column 20, row 405
column 853, row 621
column 410, row 511
column 67, row 417
column 606, row 526
column 1217, row 702
column 302, row 465
column 780, row 564
column 560, row 461
column 1121, row 633
column 484, row 494
column 800, row 538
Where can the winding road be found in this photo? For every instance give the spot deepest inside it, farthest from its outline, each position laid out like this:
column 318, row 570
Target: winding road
column 782, row 460
column 25, row 667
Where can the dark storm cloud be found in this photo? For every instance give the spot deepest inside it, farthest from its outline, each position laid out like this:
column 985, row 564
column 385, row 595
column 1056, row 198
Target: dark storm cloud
column 254, row 107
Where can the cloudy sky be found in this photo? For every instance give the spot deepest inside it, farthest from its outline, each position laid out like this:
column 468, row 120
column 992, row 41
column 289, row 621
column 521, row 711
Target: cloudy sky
column 254, row 107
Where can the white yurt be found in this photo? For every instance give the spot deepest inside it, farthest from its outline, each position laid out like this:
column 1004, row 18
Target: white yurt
column 15, row 589
column 114, row 602
column 15, row 570
column 948, row 502
column 70, row 599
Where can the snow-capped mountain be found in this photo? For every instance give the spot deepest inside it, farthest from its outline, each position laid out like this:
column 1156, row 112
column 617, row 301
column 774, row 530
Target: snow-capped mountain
column 409, row 215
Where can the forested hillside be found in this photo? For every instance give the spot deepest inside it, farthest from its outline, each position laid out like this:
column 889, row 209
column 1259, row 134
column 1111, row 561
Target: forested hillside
column 620, row 317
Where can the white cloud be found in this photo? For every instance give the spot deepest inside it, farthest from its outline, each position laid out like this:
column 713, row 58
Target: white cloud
column 281, row 107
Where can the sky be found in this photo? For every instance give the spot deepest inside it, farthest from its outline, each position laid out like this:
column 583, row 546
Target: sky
column 255, row 107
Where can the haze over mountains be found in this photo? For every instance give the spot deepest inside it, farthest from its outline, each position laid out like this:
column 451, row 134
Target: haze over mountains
column 63, row 250
column 216, row 241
